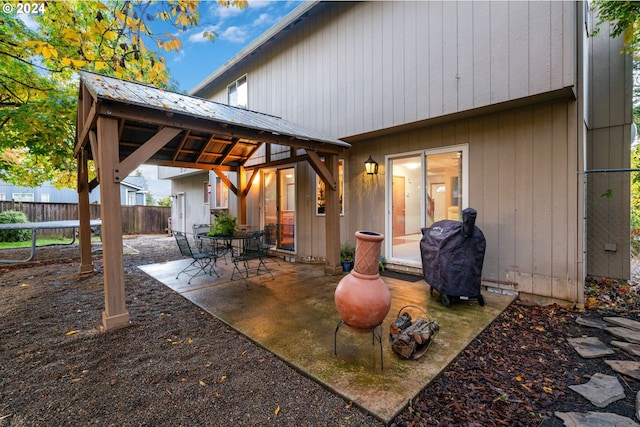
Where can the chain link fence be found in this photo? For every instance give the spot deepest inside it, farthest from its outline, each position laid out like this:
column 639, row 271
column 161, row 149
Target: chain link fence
column 613, row 223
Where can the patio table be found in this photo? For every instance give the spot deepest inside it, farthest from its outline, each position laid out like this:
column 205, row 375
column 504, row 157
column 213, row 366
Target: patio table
column 45, row 225
column 242, row 247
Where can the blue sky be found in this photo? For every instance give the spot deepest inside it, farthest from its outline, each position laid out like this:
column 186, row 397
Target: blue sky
column 236, row 28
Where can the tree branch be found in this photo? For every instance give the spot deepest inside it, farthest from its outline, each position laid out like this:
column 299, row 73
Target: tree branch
column 29, row 63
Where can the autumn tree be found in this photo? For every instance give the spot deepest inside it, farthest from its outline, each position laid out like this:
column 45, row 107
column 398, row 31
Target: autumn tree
column 43, row 44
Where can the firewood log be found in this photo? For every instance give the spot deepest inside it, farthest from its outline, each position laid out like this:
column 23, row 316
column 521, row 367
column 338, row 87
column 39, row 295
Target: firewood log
column 400, row 324
column 425, row 332
column 404, row 344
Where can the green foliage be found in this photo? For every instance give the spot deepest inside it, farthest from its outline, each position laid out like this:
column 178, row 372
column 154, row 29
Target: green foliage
column 382, row 263
column 224, row 224
column 38, row 61
column 347, row 252
column 165, row 201
column 623, row 16
column 14, row 217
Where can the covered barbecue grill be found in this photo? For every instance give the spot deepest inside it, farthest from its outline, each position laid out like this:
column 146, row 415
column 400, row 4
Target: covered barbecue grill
column 452, row 256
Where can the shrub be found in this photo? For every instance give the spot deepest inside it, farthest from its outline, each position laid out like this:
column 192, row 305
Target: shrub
column 14, row 217
column 224, row 224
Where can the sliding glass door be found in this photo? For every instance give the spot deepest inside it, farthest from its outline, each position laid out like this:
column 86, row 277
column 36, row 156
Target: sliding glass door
column 278, row 207
column 425, row 187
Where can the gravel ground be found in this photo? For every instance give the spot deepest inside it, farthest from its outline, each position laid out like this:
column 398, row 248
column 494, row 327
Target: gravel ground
column 178, row 366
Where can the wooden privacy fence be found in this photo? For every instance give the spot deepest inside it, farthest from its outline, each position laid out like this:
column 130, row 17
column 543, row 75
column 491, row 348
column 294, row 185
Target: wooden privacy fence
column 135, row 219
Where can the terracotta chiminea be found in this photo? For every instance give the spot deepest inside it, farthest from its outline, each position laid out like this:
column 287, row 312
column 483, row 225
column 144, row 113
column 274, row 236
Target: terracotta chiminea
column 362, row 298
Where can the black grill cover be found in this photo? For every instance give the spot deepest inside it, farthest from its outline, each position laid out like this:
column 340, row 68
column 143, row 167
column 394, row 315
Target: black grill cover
column 452, row 255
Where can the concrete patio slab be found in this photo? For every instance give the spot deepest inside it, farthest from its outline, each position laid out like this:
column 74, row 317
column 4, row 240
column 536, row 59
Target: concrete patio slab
column 294, row 317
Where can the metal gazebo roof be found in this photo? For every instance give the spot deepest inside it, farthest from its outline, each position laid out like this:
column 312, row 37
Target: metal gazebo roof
column 214, row 134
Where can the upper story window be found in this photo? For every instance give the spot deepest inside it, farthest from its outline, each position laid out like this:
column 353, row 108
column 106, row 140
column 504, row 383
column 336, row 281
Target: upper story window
column 237, row 93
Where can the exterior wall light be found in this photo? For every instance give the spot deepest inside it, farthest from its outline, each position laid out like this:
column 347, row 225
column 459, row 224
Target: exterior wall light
column 371, row 166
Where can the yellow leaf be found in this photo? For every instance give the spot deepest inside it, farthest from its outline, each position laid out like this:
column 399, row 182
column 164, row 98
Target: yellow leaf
column 547, row 389
column 277, row 410
column 24, row 285
column 224, row 377
column 189, row 341
column 77, row 63
column 66, row 61
column 70, row 35
column 71, row 332
column 526, row 387
column 49, row 51
column 518, row 378
column 540, row 328
column 102, row 6
column 202, row 383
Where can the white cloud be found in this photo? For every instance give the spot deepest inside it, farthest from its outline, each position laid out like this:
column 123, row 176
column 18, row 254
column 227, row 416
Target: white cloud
column 264, row 19
column 222, row 13
column 235, row 34
column 179, row 55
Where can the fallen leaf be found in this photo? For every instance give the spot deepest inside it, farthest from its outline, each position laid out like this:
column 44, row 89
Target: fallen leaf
column 190, row 340
column 277, row 410
column 202, row 383
column 349, row 405
column 518, row 378
column 547, row 389
column 71, row 332
column 224, row 377
column 540, row 328
column 24, row 285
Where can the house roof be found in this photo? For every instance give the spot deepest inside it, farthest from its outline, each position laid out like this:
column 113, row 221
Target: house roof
column 291, row 19
column 211, row 134
column 137, row 182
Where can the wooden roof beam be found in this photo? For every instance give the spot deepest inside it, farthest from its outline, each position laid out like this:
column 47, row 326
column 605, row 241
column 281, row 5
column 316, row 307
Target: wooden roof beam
column 211, row 126
column 224, row 179
column 224, row 156
column 144, row 152
column 321, row 169
column 181, row 144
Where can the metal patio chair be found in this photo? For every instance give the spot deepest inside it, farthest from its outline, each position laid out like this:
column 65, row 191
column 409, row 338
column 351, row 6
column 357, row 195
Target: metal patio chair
column 199, row 229
column 253, row 248
column 201, row 260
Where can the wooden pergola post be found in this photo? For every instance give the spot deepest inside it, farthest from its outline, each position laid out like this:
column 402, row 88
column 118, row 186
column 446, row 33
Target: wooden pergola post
column 242, row 195
column 84, row 214
column 332, row 219
column 115, row 314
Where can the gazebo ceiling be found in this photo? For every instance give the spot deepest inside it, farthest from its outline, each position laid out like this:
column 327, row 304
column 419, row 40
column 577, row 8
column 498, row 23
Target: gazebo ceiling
column 207, row 134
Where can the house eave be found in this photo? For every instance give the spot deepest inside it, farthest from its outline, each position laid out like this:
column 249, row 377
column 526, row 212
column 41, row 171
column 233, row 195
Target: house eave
column 291, row 19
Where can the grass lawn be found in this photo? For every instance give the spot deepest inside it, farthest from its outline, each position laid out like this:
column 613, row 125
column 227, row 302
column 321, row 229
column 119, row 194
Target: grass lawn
column 42, row 242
